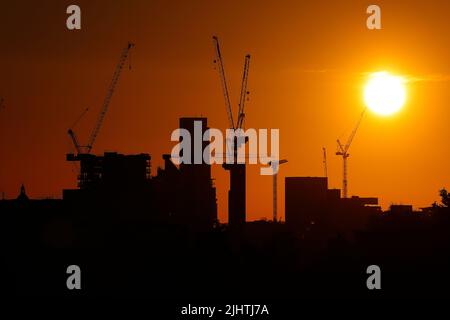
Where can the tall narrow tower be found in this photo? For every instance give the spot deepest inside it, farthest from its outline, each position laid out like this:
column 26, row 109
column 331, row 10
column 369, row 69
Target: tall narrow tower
column 236, row 194
column 343, row 152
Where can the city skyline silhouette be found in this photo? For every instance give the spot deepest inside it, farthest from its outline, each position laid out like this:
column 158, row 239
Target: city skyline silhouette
column 87, row 177
column 311, row 91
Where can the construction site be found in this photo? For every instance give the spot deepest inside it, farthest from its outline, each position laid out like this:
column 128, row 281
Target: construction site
column 162, row 231
column 122, row 173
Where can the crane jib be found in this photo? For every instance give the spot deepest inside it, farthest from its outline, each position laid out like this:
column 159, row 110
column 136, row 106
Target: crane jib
column 108, row 96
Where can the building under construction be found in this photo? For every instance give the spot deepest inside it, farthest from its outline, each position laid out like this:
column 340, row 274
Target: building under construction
column 236, row 194
column 111, row 182
column 111, row 170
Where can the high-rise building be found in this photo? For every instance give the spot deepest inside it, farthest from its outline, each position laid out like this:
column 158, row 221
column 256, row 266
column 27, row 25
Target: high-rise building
column 198, row 191
column 305, row 200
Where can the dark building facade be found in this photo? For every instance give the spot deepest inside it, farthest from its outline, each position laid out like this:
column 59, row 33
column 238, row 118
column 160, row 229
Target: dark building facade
column 305, row 200
column 311, row 205
column 401, row 209
column 112, row 170
column 197, row 191
column 236, row 194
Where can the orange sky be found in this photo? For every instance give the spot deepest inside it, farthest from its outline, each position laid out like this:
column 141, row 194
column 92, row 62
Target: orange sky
column 309, row 62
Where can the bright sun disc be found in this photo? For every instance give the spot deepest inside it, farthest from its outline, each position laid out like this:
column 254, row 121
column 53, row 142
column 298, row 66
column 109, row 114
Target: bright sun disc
column 384, row 93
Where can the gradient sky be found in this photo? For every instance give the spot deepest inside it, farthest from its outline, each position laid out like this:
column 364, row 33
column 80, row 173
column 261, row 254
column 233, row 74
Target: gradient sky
column 309, row 63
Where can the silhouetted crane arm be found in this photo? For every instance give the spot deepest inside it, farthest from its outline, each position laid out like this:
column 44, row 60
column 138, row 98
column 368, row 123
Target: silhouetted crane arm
column 74, row 140
column 340, row 148
column 108, row 97
column 71, row 133
column 244, row 93
column 350, row 139
column 223, row 80
column 79, row 118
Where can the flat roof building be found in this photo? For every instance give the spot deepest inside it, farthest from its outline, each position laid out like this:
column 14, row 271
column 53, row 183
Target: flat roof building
column 309, row 205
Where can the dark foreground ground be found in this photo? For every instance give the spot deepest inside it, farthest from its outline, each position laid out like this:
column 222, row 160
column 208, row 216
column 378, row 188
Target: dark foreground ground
column 261, row 263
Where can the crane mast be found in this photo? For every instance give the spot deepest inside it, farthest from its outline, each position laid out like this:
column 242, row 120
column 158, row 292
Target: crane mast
column 108, row 97
column 343, row 151
column 275, row 164
column 236, row 194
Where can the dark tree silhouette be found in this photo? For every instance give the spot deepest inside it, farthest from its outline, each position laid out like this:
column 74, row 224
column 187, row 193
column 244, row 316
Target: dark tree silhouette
column 445, row 198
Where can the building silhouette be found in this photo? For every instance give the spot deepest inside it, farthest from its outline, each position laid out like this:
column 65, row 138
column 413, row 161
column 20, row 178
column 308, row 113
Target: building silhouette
column 113, row 183
column 22, row 195
column 158, row 236
column 400, row 210
column 197, row 187
column 236, row 194
column 310, row 205
column 112, row 170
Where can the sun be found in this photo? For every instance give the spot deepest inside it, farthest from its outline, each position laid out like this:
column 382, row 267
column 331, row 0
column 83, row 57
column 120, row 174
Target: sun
column 384, row 93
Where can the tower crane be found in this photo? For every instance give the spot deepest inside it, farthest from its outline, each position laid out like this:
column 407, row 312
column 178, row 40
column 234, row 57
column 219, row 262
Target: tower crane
column 104, row 109
column 325, row 166
column 342, row 150
column 74, row 141
column 72, row 133
column 223, row 81
column 275, row 164
column 244, row 92
column 236, row 194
